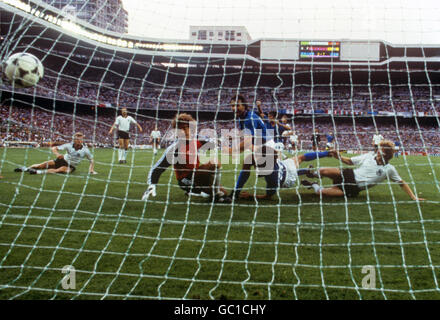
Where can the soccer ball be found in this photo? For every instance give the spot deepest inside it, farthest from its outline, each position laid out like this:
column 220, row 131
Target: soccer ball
column 23, row 69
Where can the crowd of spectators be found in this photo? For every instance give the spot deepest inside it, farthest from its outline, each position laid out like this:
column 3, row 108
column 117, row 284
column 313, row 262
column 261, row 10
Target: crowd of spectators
column 47, row 127
column 204, row 97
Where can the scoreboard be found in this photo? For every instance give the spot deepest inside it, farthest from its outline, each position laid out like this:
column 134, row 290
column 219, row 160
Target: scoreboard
column 319, row 49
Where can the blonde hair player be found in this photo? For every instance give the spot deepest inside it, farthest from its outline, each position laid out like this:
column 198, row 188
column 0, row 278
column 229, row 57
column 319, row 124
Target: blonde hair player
column 76, row 151
column 372, row 169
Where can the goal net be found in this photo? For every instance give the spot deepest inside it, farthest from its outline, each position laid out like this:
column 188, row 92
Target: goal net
column 79, row 235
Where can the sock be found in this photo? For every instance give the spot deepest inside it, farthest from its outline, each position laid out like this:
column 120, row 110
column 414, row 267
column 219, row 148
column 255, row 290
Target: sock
column 120, row 154
column 40, row 171
column 242, row 178
column 316, row 188
column 313, row 155
column 301, row 172
column 217, row 179
column 124, row 155
column 24, row 169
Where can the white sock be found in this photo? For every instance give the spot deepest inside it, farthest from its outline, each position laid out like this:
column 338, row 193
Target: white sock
column 316, row 188
column 40, row 171
column 125, row 154
column 120, row 154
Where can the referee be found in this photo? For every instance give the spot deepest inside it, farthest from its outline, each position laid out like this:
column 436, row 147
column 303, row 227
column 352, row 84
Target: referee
column 316, row 139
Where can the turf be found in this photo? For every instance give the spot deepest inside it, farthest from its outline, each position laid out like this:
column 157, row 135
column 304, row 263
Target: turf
column 296, row 246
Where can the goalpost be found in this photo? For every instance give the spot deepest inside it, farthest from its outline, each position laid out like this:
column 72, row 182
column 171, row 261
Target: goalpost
column 79, row 236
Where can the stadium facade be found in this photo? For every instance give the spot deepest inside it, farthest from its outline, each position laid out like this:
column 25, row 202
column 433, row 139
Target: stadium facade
column 106, row 14
column 63, row 45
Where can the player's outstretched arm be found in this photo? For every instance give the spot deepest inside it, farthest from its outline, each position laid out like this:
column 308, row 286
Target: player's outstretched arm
column 285, row 126
column 112, row 128
column 138, row 125
column 405, row 187
column 56, row 153
column 341, row 158
column 260, row 110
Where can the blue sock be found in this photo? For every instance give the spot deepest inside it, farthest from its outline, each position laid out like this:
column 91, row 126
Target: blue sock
column 301, row 172
column 313, row 155
column 242, row 178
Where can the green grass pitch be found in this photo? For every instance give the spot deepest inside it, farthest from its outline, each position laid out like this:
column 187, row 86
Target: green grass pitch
column 295, row 246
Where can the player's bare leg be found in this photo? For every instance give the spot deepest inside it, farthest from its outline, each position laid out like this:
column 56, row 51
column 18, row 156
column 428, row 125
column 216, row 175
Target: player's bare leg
column 45, row 165
column 123, row 147
column 323, row 172
column 39, row 166
column 329, row 192
column 59, row 170
column 126, row 143
column 156, row 145
column 121, row 150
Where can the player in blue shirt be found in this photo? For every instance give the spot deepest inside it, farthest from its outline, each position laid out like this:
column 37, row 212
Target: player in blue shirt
column 397, row 148
column 271, row 122
column 330, row 138
column 252, row 125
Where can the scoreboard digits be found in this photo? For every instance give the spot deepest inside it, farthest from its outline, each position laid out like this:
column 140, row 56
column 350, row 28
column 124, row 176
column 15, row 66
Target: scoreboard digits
column 319, row 49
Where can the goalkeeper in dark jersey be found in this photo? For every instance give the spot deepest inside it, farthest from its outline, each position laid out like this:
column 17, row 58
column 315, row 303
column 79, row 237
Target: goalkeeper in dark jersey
column 194, row 178
column 316, row 139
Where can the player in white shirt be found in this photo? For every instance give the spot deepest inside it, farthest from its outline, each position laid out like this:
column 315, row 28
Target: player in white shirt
column 76, row 151
column 377, row 139
column 123, row 122
column 155, row 139
column 372, row 169
column 293, row 140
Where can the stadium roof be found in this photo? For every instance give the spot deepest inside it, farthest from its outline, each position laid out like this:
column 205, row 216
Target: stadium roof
column 38, row 25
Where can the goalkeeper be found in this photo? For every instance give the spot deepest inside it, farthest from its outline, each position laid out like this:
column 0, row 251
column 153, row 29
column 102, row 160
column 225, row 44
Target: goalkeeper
column 373, row 168
column 194, row 178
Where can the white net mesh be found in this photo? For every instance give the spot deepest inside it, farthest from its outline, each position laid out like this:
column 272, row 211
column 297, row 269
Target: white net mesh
column 302, row 245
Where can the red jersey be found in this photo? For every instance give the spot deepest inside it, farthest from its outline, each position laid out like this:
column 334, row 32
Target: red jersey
column 188, row 159
column 182, row 155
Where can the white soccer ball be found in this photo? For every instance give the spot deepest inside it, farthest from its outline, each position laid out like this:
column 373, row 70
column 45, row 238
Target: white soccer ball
column 23, row 69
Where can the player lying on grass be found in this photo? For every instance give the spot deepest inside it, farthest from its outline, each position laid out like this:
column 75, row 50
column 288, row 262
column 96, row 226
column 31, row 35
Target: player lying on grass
column 194, row 178
column 277, row 173
column 76, row 151
column 372, row 168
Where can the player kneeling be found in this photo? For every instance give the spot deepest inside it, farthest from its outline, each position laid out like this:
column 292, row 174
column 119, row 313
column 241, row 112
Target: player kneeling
column 373, row 168
column 76, row 152
column 194, row 178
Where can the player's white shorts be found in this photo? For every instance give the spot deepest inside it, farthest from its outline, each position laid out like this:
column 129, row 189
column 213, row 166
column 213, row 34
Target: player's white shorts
column 291, row 173
column 330, row 145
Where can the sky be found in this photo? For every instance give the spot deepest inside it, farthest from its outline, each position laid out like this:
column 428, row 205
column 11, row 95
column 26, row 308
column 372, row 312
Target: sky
column 396, row 21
